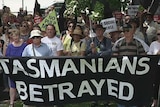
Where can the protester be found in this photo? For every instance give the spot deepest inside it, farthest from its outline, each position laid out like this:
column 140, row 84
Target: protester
column 14, row 49
column 99, row 45
column 138, row 33
column 127, row 19
column 115, row 35
column 54, row 43
column 154, row 49
column 7, row 38
column 36, row 49
column 76, row 47
column 66, row 35
column 152, row 27
column 86, row 33
column 5, row 78
column 24, row 31
column 129, row 45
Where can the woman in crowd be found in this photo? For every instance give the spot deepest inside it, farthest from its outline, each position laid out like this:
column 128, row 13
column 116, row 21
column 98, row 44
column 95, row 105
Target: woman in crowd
column 14, row 49
column 24, row 31
column 76, row 47
column 36, row 49
column 66, row 35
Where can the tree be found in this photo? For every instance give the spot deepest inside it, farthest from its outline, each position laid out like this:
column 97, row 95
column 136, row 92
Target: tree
column 114, row 4
column 96, row 8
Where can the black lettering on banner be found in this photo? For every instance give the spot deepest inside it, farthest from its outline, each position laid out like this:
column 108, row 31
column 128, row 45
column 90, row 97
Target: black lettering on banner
column 51, row 17
column 109, row 22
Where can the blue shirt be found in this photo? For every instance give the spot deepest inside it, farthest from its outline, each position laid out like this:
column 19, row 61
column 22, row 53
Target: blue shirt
column 103, row 47
column 42, row 50
column 15, row 51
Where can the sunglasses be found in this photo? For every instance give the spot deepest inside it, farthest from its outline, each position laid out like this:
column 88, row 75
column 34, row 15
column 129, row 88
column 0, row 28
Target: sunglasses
column 71, row 26
column 9, row 33
column 17, row 25
column 158, row 34
column 36, row 37
column 24, row 26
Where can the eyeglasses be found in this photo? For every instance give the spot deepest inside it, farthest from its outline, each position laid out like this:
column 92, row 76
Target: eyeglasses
column 36, row 37
column 158, row 34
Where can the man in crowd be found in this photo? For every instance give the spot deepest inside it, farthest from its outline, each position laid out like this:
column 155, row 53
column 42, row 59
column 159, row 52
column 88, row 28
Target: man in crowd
column 129, row 45
column 54, row 43
column 99, row 45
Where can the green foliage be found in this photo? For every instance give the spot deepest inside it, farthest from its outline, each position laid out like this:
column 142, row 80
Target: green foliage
column 71, row 9
column 98, row 10
column 114, row 4
column 74, row 7
column 84, row 3
column 141, row 8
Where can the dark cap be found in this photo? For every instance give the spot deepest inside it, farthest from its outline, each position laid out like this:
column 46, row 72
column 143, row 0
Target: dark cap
column 134, row 20
column 99, row 26
column 149, row 13
column 127, row 26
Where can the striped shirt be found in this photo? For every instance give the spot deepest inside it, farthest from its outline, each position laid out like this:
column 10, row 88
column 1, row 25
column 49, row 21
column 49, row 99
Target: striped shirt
column 132, row 48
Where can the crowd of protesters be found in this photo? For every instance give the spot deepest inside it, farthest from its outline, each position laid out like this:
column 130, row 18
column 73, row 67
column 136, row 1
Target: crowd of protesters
column 21, row 36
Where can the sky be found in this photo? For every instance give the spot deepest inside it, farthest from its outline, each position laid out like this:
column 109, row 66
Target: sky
column 27, row 4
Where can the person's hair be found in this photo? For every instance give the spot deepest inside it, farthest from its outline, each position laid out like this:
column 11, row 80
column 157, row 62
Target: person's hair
column 71, row 21
column 36, row 26
column 2, row 42
column 15, row 31
column 52, row 26
column 99, row 26
column 26, row 23
column 135, row 20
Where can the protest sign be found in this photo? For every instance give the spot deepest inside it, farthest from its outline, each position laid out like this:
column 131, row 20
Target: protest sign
column 50, row 19
column 109, row 24
column 132, row 10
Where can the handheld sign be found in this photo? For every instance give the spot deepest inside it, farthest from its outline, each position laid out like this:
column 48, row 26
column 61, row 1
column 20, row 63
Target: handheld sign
column 109, row 24
column 50, row 19
column 132, row 10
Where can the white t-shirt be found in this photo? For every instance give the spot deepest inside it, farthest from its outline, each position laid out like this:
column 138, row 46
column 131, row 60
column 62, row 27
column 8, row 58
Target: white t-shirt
column 154, row 48
column 55, row 44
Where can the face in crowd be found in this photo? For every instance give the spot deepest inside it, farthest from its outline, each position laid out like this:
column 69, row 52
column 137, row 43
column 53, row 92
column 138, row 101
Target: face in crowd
column 71, row 27
column 50, row 31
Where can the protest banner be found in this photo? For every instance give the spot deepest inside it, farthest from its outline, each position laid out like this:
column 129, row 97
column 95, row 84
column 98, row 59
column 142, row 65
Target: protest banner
column 127, row 80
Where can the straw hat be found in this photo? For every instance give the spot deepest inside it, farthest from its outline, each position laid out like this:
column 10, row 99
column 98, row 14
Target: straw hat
column 36, row 33
column 77, row 31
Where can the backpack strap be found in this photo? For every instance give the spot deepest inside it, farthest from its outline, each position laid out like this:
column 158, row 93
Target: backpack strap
column 72, row 43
